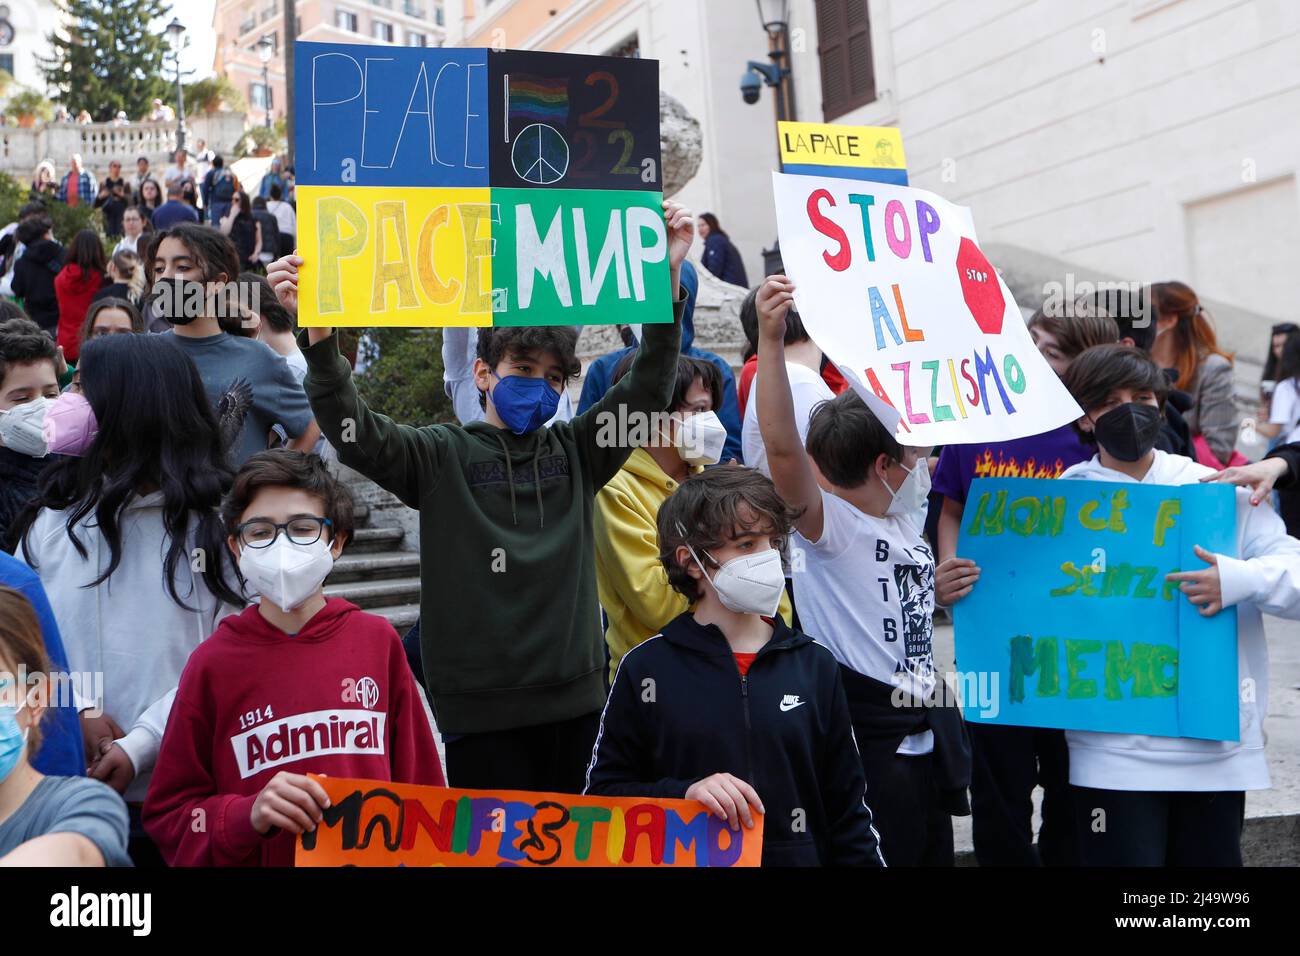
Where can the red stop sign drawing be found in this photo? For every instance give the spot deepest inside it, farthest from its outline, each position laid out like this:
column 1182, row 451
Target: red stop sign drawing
column 980, row 288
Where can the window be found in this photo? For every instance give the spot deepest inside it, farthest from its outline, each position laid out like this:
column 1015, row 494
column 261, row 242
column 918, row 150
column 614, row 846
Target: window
column 275, row 42
column 844, row 50
column 416, row 39
column 413, row 9
column 382, row 31
column 7, row 63
column 260, row 96
column 345, row 20
column 438, row 16
column 248, row 20
column 269, row 9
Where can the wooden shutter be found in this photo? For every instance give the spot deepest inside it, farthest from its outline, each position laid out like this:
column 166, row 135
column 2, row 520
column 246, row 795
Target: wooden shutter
column 844, row 50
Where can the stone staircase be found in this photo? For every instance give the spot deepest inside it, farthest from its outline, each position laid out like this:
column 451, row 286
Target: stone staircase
column 374, row 572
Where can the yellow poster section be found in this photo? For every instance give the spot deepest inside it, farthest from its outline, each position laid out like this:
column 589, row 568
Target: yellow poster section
column 381, row 256
column 826, row 144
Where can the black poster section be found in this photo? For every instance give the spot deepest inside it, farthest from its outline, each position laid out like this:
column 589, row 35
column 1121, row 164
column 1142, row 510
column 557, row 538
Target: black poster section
column 573, row 122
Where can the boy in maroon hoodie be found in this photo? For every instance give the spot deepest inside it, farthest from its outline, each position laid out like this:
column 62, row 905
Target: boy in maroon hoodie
column 298, row 683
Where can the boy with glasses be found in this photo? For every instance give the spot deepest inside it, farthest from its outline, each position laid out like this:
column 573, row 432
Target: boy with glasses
column 297, row 683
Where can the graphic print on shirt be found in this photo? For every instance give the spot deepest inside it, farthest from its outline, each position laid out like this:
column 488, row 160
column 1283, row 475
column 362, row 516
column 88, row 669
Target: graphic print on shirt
column 1009, row 467
column 913, row 581
column 313, row 734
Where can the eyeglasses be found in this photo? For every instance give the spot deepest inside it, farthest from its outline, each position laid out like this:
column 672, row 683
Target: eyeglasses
column 261, row 533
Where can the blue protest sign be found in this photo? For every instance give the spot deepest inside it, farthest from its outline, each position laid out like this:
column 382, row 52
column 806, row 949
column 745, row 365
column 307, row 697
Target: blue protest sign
column 1074, row 618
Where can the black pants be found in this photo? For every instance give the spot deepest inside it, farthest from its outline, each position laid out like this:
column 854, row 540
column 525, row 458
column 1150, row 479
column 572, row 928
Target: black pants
column 547, row 757
column 1154, row 828
column 914, row 828
column 1008, row 762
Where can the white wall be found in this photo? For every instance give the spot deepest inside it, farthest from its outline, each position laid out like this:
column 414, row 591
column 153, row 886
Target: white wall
column 33, row 21
column 1135, row 137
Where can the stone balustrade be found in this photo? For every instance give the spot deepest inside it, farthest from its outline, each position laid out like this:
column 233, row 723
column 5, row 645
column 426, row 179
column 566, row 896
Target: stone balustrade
column 21, row 148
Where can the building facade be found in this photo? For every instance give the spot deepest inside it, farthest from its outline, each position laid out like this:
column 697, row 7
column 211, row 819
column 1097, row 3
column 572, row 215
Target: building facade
column 241, row 24
column 1144, row 139
column 25, row 26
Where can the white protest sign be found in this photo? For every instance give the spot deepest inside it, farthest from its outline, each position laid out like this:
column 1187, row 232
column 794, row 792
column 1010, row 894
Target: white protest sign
column 892, row 286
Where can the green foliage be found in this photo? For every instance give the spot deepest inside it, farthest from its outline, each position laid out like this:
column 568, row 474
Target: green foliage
column 67, row 221
column 28, row 102
column 259, row 137
column 113, row 57
column 208, row 95
column 13, row 196
column 403, row 377
column 6, row 81
column 70, row 220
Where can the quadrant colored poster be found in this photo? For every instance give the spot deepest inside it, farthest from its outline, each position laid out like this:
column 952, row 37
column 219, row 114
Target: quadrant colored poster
column 377, row 823
column 425, row 178
column 1073, row 619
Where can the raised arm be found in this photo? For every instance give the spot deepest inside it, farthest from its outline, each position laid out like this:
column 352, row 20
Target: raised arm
column 786, row 458
column 399, row 458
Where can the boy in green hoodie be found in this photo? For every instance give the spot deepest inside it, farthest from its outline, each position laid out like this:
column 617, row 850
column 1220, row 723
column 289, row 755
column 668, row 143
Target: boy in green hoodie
column 510, row 627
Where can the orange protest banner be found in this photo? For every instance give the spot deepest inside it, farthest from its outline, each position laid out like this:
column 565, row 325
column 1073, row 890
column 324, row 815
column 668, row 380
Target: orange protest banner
column 377, row 823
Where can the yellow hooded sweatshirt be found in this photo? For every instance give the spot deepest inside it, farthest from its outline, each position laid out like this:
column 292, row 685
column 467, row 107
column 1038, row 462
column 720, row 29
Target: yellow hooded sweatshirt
column 631, row 582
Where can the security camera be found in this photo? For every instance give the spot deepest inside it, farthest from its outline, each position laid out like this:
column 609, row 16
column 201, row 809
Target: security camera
column 750, row 86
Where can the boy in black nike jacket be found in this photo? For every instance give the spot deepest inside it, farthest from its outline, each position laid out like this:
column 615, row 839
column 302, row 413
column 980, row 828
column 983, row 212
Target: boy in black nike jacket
column 729, row 706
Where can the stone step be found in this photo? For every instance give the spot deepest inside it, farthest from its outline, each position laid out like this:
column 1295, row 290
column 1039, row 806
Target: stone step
column 370, row 540
column 401, row 616
column 386, row 592
column 376, row 566
column 360, row 513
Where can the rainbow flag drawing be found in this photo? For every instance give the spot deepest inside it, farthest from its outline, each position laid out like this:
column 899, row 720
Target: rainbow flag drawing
column 538, row 99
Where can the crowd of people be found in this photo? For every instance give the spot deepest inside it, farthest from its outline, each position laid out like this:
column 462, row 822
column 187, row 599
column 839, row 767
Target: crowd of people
column 719, row 607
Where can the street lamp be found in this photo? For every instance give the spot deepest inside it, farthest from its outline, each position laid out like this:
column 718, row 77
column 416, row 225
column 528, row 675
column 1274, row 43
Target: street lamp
column 774, row 15
column 265, row 50
column 175, row 39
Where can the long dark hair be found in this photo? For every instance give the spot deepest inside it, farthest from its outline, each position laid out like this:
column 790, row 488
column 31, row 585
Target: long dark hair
column 1272, row 363
column 1288, row 367
column 87, row 252
column 714, row 226
column 170, row 442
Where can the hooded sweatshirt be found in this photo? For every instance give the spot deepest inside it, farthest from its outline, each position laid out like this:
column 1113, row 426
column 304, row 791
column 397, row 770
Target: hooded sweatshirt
column 128, row 629
column 75, row 289
column 783, row 727
column 509, row 626
column 337, row 698
column 630, row 579
column 34, row 275
column 1264, row 579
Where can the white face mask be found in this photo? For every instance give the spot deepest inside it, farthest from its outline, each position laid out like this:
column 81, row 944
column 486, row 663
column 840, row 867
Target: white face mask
column 287, row 574
column 22, row 428
column 749, row 584
column 913, row 492
column 701, row 438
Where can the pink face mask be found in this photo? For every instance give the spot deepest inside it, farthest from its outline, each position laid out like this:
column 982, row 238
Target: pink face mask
column 70, row 425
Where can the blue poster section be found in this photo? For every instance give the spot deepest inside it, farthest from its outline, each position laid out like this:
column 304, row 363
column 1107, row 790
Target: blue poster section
column 390, row 115
column 1072, row 615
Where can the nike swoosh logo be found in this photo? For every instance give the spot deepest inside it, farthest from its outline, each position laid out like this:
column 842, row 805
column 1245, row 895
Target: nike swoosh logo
column 785, row 705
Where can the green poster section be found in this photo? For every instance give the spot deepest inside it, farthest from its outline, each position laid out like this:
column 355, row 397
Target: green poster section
column 579, row 257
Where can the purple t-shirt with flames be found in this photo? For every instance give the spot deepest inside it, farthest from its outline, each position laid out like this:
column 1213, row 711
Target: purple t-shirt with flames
column 1037, row 456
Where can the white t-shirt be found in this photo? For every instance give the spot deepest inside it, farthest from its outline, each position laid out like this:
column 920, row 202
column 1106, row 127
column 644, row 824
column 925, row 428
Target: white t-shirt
column 808, row 390
column 284, row 215
column 1285, row 410
column 865, row 589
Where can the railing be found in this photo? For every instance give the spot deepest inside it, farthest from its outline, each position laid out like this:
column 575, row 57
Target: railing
column 21, row 148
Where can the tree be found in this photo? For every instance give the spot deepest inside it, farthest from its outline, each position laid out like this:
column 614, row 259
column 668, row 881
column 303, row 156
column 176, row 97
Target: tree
column 211, row 93
column 113, row 57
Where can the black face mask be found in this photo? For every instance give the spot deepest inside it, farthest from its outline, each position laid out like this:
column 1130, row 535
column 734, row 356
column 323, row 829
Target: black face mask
column 1128, row 431
column 175, row 300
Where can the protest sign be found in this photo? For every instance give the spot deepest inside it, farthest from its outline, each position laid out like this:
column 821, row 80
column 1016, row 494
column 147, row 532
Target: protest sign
column 377, row 823
column 1072, row 614
column 873, row 153
column 465, row 187
column 892, row 286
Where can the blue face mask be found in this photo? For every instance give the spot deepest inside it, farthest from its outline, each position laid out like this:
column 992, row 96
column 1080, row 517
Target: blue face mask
column 524, row 404
column 13, row 740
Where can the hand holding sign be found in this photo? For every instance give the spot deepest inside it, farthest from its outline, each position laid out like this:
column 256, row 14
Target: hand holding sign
column 773, row 303
column 953, row 580
column 291, row 801
column 1202, row 587
column 681, row 234
column 728, row 797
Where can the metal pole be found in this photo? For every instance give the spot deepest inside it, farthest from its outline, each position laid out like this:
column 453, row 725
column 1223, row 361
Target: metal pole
column 266, row 92
column 290, row 32
column 792, row 110
column 180, row 105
